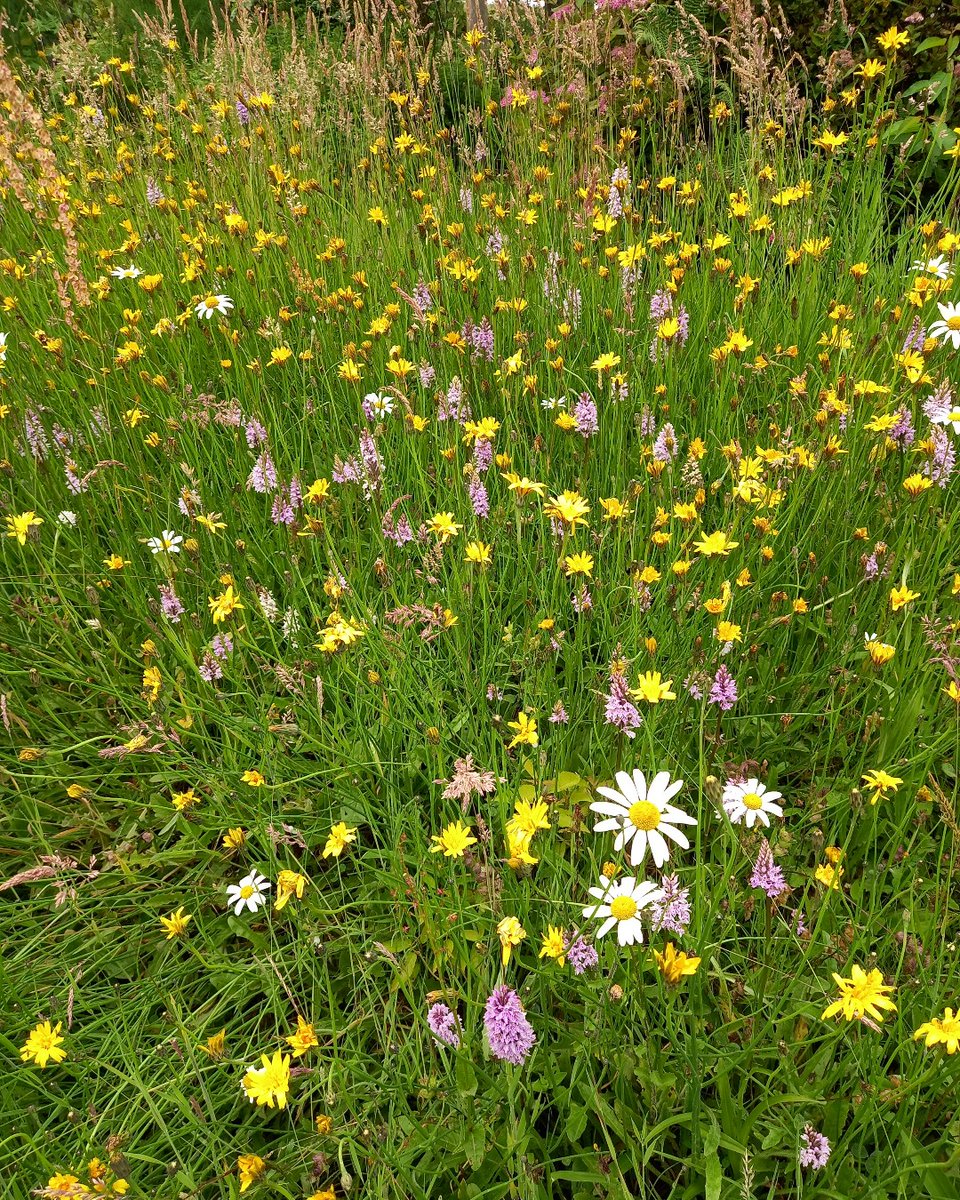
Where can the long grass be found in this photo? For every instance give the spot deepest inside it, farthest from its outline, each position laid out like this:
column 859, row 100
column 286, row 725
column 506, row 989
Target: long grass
column 362, row 237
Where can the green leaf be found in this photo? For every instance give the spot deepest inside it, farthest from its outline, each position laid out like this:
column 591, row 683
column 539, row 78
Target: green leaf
column 576, row 1123
column 465, row 1076
column 714, row 1177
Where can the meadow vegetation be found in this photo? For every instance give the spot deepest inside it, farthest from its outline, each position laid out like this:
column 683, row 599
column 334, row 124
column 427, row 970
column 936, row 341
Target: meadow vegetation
column 479, row 676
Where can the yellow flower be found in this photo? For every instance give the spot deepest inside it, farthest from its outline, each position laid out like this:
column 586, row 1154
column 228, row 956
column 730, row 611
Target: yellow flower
column 578, row 564
column 234, row 838
column 526, row 727
column 348, row 371
column 830, row 142
column 943, row 1031
column 715, row 544
column 893, row 40
column 902, row 596
column 223, row 605
column 303, row 1039
column 43, row 1044
column 152, row 682
column 317, row 492
column 880, row 652
column 674, row 966
column 606, row 362
column 250, row 1167
column 453, row 841
column 269, row 1083
column 614, row 509
column 378, row 217
column 528, row 817
column 339, row 837
column 569, row 507
column 213, row 1047
column 829, row 874
column 443, row 526
column 511, row 933
column 479, row 553
column 651, row 688
column 727, row 633
column 176, row 923
column 871, row 69
column 289, row 884
column 19, row 526
column 953, row 691
column 914, row 484
column 518, row 850
column 253, row 778
column 554, row 945
column 115, row 563
column 880, row 783
column 522, row 486
column 861, row 996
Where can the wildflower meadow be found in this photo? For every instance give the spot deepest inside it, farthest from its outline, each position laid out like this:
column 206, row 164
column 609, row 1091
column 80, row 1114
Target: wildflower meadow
column 479, row 660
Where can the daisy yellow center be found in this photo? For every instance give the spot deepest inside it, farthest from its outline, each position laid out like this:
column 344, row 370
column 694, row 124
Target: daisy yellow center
column 752, row 800
column 246, row 891
column 211, row 302
column 954, row 415
column 623, row 908
column 644, row 815
column 953, row 322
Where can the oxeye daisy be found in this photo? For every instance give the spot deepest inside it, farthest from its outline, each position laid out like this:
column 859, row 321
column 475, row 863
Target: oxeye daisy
column 948, row 328
column 621, row 904
column 214, row 303
column 249, row 893
column 168, row 542
column 938, row 267
column 379, row 405
column 944, row 413
column 130, row 272
column 643, row 816
column 750, row 802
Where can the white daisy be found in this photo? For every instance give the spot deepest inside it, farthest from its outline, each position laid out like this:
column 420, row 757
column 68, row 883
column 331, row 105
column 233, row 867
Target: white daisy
column 554, row 403
column 130, row 272
column 948, row 414
column 67, row 517
column 213, row 303
column 249, row 893
column 749, row 802
column 167, row 541
column 3, row 344
column 382, row 406
column 948, row 330
column 643, row 816
column 939, row 266
column 622, row 903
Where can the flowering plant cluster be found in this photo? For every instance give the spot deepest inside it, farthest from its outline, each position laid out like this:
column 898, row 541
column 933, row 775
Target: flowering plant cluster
column 479, row 658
